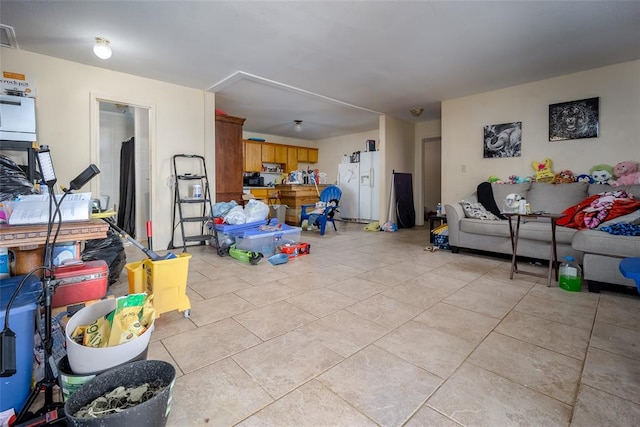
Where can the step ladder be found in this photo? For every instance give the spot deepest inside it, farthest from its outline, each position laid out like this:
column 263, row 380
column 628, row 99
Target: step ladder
column 191, row 201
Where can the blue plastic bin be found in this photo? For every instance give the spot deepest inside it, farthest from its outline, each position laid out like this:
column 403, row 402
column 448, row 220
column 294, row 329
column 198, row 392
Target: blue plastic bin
column 14, row 390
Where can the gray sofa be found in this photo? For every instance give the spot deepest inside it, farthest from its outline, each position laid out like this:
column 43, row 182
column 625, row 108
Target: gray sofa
column 599, row 252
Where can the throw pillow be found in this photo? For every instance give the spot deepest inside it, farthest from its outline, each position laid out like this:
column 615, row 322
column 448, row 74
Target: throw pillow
column 477, row 211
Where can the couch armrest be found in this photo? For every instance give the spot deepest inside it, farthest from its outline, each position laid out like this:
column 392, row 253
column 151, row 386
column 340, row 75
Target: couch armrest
column 454, row 215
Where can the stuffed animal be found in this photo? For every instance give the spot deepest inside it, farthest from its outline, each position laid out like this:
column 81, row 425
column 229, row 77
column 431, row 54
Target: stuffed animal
column 564, row 177
column 495, row 179
column 631, row 179
column 543, row 170
column 601, row 174
column 625, row 168
column 515, row 179
column 583, row 177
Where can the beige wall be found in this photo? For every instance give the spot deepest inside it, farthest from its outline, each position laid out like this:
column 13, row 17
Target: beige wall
column 64, row 91
column 331, row 150
column 397, row 143
column 423, row 185
column 463, row 120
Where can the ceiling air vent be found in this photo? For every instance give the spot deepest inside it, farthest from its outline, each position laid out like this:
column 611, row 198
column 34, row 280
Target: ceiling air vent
column 8, row 37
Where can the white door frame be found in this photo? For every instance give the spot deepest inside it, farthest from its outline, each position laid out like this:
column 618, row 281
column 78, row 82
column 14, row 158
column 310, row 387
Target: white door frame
column 94, row 109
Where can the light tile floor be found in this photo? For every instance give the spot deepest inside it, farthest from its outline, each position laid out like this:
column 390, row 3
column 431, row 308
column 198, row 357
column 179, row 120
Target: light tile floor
column 371, row 329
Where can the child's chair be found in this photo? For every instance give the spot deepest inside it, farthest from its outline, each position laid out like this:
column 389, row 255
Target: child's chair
column 330, row 196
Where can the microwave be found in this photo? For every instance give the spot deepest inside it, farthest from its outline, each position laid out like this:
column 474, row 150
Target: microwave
column 253, row 181
column 17, row 118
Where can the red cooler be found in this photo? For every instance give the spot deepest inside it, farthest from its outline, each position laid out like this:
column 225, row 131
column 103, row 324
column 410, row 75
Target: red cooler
column 80, row 282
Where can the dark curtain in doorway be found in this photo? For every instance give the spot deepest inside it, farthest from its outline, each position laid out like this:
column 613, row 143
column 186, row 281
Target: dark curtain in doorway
column 127, row 202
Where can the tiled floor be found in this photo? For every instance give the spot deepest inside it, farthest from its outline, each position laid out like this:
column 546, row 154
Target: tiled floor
column 371, row 329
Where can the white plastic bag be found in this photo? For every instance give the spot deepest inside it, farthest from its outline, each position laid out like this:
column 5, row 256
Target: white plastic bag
column 256, row 210
column 235, row 216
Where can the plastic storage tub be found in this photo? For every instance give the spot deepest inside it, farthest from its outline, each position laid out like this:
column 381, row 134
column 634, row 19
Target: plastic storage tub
column 265, row 241
column 15, row 389
column 90, row 360
column 165, row 279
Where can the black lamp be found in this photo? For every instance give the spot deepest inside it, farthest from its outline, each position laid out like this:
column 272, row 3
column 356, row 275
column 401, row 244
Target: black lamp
column 7, row 336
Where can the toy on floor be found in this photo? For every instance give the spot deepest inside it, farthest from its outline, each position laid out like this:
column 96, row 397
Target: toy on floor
column 543, row 171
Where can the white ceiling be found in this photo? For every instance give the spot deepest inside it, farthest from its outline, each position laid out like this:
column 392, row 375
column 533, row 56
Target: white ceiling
column 336, row 65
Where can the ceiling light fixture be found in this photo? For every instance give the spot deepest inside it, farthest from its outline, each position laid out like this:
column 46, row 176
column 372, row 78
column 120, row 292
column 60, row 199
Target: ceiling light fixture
column 102, row 48
column 416, row 111
column 298, row 126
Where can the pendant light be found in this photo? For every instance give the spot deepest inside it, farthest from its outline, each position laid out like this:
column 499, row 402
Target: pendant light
column 102, row 48
column 298, row 125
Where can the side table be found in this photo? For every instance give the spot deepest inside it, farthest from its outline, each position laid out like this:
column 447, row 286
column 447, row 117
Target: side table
column 514, row 234
column 432, row 219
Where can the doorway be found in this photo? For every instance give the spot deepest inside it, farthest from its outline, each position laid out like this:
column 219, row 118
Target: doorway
column 125, row 127
column 431, row 166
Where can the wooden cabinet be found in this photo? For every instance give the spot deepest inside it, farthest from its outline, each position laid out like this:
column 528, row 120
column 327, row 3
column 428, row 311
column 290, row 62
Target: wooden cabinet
column 303, row 155
column 252, row 156
column 228, row 158
column 313, row 155
column 269, row 153
column 292, row 159
column 281, row 154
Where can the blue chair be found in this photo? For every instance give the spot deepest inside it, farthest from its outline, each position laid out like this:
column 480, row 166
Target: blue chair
column 331, row 197
column 630, row 268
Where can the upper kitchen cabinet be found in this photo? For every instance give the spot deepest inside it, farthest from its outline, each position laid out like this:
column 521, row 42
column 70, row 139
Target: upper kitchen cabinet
column 292, row 159
column 312, row 155
column 303, row 154
column 228, row 158
column 269, row 153
column 281, row 154
column 252, row 156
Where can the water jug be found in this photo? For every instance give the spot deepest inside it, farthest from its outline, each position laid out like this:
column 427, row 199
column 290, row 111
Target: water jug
column 570, row 277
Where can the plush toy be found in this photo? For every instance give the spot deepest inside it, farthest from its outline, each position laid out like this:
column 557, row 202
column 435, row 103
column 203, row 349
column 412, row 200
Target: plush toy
column 601, row 174
column 583, row 177
column 625, row 168
column 543, row 170
column 631, row 179
column 564, row 177
column 515, row 179
column 495, row 179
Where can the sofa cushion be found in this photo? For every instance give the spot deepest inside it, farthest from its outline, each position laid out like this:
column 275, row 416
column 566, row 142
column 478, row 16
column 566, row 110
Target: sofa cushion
column 599, row 242
column 601, row 188
column 487, row 228
column 500, row 192
column 476, row 210
column 541, row 231
column 555, row 198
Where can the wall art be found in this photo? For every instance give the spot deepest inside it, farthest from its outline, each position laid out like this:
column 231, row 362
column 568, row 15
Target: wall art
column 574, row 120
column 503, row 140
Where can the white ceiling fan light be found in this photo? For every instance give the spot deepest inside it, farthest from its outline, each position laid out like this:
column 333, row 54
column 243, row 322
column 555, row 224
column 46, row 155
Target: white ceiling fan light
column 298, row 125
column 102, row 48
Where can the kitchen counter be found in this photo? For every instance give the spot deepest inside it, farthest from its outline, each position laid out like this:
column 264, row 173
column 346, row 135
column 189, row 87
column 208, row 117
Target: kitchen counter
column 296, row 195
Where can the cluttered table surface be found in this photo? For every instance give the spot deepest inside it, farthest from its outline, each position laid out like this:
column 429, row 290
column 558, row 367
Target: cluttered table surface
column 36, row 234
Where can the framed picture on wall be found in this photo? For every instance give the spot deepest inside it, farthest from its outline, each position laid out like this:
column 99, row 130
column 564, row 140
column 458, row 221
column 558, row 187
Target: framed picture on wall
column 503, row 140
column 574, row 119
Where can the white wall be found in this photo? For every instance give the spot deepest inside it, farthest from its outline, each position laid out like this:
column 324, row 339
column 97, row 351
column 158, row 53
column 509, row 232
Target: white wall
column 463, row 120
column 63, row 112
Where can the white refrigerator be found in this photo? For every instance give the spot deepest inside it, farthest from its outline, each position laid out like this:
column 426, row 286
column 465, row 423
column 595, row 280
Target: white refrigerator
column 360, row 186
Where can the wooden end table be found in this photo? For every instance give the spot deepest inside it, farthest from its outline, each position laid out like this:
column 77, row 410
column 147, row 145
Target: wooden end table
column 514, row 234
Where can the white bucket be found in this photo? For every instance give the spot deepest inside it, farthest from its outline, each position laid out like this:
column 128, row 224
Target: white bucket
column 88, row 360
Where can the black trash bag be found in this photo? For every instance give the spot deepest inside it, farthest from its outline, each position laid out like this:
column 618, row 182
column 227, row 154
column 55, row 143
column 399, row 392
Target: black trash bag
column 109, row 249
column 13, row 180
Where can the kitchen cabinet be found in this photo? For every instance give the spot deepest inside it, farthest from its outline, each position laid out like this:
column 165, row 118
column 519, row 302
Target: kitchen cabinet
column 228, row 150
column 303, row 154
column 263, row 193
column 269, row 153
column 312, row 155
column 252, row 156
column 281, row 154
column 292, row 159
